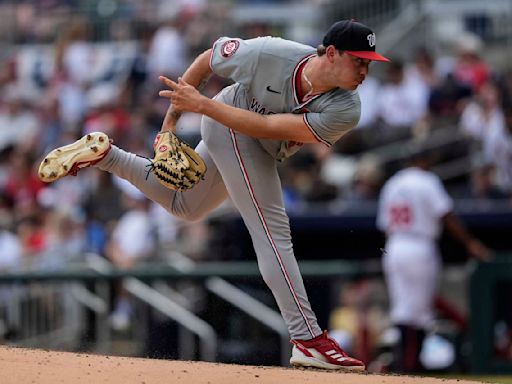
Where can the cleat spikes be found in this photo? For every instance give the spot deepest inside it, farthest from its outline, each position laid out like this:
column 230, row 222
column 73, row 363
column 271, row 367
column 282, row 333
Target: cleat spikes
column 69, row 159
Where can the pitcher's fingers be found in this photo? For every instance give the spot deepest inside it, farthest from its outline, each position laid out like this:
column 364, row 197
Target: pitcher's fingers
column 167, row 94
column 171, row 84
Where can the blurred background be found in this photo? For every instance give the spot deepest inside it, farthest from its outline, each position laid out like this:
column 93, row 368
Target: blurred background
column 88, row 264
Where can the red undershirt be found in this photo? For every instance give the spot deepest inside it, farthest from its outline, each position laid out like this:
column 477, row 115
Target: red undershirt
column 298, row 85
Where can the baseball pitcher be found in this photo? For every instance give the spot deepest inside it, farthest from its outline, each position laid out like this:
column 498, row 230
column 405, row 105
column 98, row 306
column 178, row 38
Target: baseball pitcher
column 284, row 94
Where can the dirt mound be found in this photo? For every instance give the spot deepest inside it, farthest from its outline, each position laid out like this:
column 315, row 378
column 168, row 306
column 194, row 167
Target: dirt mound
column 26, row 366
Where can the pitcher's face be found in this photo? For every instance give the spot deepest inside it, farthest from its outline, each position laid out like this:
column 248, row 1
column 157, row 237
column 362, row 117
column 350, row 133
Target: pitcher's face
column 348, row 71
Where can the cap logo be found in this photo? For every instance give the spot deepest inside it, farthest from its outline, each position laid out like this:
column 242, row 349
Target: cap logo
column 371, row 39
column 229, row 48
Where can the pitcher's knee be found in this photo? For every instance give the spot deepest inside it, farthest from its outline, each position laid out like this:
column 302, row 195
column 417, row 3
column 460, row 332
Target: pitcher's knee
column 185, row 213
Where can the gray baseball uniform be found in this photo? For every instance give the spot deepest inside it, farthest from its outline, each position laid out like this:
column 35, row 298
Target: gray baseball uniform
column 267, row 73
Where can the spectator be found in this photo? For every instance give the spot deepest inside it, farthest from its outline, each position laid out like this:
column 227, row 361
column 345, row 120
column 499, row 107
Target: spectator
column 167, row 229
column 51, row 130
column 19, row 124
column 31, row 232
column 470, row 69
column 65, row 238
column 498, row 152
column 167, row 51
column 133, row 240
column 22, row 184
column 73, row 73
column 107, row 112
column 482, row 184
column 366, row 134
column 401, row 103
column 10, row 245
column 303, row 181
column 139, row 77
column 369, row 94
column 74, row 55
column 358, row 320
column 103, row 208
column 422, row 70
column 483, row 114
column 446, row 101
column 367, row 180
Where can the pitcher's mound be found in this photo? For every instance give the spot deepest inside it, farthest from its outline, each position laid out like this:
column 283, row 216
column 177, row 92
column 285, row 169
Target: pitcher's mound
column 27, row 366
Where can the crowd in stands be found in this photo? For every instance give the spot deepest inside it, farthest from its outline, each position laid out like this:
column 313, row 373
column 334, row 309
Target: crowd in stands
column 54, row 92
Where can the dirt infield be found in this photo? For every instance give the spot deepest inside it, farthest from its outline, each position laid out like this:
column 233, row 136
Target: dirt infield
column 27, row 366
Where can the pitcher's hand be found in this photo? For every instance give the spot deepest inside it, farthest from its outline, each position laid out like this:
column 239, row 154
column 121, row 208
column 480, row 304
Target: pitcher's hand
column 184, row 97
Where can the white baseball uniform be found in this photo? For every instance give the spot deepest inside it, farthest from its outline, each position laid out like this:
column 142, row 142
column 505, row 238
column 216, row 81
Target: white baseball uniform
column 411, row 206
column 267, row 75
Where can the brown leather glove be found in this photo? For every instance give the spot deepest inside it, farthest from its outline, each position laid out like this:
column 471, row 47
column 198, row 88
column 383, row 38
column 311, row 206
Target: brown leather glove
column 176, row 165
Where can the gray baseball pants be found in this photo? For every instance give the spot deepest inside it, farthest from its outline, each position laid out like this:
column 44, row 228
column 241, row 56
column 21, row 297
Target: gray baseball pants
column 238, row 166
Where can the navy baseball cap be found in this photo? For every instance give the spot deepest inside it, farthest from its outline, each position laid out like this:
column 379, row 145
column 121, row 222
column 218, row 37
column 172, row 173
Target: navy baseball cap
column 354, row 38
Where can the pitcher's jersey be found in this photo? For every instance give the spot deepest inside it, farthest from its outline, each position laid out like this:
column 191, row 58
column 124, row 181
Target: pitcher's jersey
column 267, row 73
column 412, row 202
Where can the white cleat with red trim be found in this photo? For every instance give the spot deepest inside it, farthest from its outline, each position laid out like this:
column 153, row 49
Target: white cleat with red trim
column 69, row 159
column 323, row 352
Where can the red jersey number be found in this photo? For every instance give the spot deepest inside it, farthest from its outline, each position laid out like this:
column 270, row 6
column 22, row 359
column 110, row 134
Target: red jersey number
column 400, row 216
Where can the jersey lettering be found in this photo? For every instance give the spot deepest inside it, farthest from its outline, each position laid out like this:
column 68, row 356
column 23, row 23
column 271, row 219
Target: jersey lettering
column 258, row 108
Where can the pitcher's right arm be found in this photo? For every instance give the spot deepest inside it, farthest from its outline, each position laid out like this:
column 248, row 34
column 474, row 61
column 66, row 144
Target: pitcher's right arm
column 196, row 74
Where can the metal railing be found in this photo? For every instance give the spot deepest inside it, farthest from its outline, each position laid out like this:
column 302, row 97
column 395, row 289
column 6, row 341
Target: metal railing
column 41, row 314
column 242, row 301
column 188, row 320
column 437, row 140
column 167, row 307
column 76, row 280
column 98, row 304
column 156, row 271
column 255, row 309
column 24, row 286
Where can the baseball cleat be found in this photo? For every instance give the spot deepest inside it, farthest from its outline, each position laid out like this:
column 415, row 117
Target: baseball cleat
column 69, row 159
column 324, row 353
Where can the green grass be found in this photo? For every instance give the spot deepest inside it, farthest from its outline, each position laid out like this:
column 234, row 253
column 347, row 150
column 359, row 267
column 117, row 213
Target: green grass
column 485, row 379
column 493, row 379
column 498, row 379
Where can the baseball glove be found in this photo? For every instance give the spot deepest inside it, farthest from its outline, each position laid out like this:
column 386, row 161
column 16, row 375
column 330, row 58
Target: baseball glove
column 176, row 165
